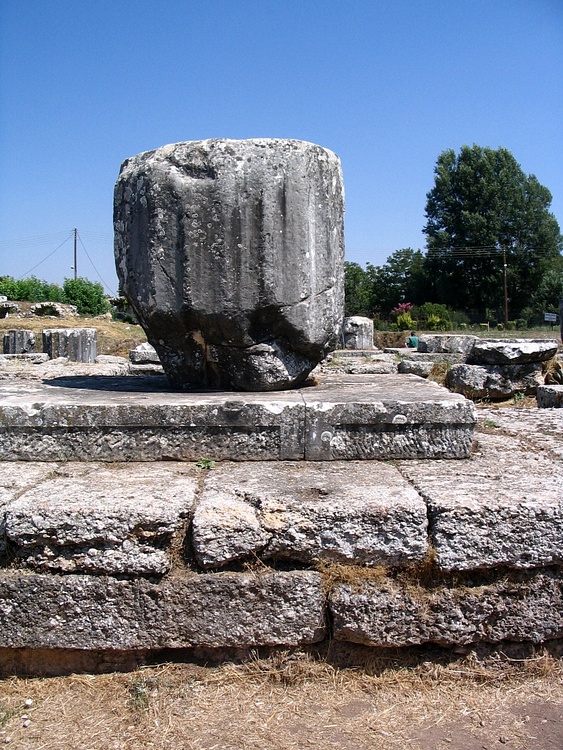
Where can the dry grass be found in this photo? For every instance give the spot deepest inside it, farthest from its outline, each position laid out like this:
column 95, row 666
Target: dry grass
column 287, row 701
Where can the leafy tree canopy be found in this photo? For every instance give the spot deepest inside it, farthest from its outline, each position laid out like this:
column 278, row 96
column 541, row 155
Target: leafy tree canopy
column 483, row 204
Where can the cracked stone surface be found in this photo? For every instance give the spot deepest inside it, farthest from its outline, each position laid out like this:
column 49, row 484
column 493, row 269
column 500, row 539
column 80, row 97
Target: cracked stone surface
column 345, row 511
column 101, row 519
column 504, row 506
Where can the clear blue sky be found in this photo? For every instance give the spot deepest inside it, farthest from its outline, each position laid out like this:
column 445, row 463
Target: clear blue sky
column 386, row 84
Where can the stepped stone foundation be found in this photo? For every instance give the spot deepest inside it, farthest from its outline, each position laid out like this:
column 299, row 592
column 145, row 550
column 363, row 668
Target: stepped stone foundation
column 106, row 564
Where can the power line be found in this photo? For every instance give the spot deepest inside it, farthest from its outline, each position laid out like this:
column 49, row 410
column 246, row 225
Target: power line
column 94, row 267
column 480, row 251
column 33, row 240
column 46, row 258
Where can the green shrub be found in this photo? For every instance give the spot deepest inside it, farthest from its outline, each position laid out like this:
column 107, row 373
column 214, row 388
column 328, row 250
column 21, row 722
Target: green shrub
column 404, row 322
column 31, row 289
column 88, row 296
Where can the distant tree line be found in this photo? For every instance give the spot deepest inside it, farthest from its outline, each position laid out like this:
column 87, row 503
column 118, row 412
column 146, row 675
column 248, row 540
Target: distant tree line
column 88, row 296
column 491, row 240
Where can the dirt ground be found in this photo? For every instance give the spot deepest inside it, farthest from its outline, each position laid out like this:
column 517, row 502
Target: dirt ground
column 421, row 702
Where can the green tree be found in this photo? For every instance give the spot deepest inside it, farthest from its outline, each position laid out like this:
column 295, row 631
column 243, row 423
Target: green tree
column 357, row 290
column 88, row 296
column 546, row 296
column 402, row 278
column 482, row 205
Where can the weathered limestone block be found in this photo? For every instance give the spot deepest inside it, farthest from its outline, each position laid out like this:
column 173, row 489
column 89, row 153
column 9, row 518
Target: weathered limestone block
column 451, row 358
column 494, row 381
column 512, row 351
column 14, row 478
column 550, row 396
column 231, row 255
column 19, row 341
column 357, row 332
column 388, row 417
column 77, row 344
column 345, row 512
column 418, row 367
column 213, row 610
column 502, row 507
column 144, row 354
column 541, row 429
column 443, row 343
column 386, row 613
column 90, row 518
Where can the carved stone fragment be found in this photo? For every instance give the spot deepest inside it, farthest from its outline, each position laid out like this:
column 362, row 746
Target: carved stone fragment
column 231, row 255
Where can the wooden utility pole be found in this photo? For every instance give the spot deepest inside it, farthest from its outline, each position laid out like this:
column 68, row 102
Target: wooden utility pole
column 75, row 254
column 505, row 287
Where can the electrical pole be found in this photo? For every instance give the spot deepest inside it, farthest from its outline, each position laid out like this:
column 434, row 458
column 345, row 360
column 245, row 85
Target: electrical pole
column 75, row 254
column 505, row 287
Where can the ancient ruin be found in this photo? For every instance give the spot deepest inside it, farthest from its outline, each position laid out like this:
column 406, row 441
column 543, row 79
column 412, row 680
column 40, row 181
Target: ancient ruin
column 231, row 255
column 138, row 518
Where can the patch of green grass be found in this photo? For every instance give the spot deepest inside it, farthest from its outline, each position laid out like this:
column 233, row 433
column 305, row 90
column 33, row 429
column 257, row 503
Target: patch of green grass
column 205, row 463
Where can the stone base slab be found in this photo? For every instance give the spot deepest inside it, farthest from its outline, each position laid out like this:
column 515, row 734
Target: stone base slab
column 267, row 608
column 141, row 419
column 525, row 608
column 550, row 397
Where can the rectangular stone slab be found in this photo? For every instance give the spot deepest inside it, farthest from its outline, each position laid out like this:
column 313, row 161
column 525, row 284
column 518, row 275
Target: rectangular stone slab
column 211, row 610
column 99, row 518
column 387, row 613
column 140, row 419
column 503, row 507
column 347, row 511
column 386, row 417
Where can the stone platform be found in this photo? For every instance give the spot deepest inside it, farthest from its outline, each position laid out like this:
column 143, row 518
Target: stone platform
column 105, row 564
column 100, row 418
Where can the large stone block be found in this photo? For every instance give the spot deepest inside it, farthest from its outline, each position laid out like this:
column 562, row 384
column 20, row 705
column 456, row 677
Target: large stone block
column 357, row 332
column 19, row 341
column 345, row 512
column 502, row 507
column 451, row 343
column 215, row 610
column 512, row 351
column 550, row 396
column 95, row 519
column 495, row 381
column 231, row 255
column 78, row 344
column 386, row 613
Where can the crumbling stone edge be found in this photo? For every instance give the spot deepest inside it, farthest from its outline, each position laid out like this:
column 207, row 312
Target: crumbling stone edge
column 54, row 624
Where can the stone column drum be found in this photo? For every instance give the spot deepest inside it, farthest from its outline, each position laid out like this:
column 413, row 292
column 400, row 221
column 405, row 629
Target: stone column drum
column 231, row 254
column 19, row 341
column 78, row 344
column 357, row 332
